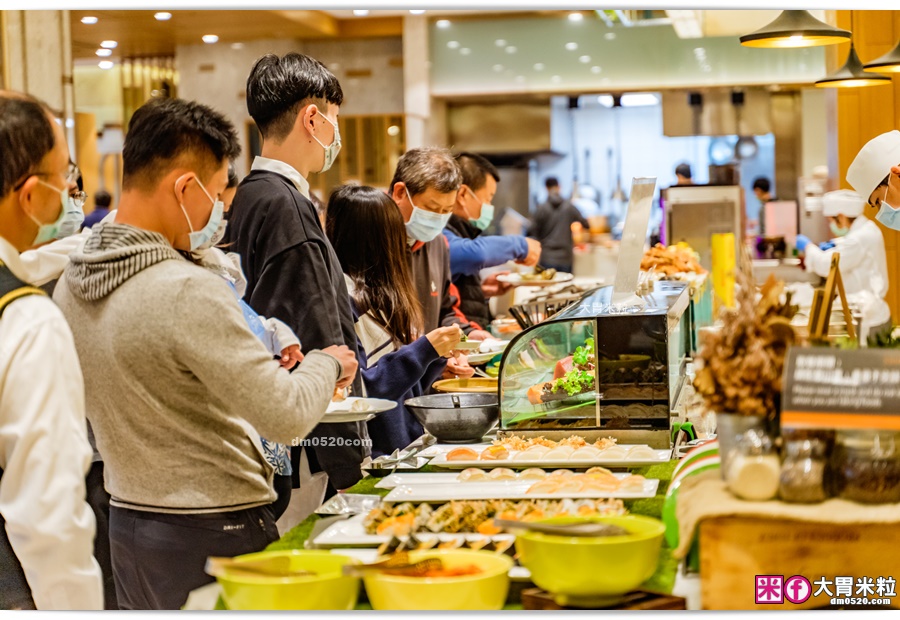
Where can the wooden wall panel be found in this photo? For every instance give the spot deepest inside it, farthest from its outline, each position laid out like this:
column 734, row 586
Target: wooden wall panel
column 863, row 113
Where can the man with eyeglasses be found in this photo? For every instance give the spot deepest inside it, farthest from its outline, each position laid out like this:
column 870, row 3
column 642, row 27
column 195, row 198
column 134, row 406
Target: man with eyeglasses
column 46, row 542
column 875, row 175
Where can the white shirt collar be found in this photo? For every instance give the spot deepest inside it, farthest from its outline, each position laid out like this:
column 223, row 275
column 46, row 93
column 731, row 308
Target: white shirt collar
column 285, row 170
column 10, row 257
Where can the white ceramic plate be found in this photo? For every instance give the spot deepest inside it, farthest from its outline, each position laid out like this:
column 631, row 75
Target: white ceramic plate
column 506, row 489
column 343, row 411
column 516, row 279
column 662, row 456
column 351, row 533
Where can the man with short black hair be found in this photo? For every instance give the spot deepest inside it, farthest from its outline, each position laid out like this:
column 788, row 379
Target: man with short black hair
column 683, row 174
column 470, row 250
column 178, row 387
column 292, row 271
column 46, row 527
column 102, row 203
column 552, row 226
column 762, row 189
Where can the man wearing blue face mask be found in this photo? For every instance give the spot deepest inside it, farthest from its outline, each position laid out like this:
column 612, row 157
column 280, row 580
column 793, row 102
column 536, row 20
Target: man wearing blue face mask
column 470, row 250
column 875, row 175
column 863, row 258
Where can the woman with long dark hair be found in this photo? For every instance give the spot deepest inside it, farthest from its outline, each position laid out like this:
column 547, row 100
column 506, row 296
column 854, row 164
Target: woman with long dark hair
column 369, row 237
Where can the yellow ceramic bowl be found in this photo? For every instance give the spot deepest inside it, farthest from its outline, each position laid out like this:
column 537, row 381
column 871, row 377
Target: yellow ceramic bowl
column 592, row 571
column 329, row 589
column 484, row 591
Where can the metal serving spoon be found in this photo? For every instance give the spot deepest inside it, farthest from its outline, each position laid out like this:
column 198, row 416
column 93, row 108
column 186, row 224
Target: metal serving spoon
column 585, row 529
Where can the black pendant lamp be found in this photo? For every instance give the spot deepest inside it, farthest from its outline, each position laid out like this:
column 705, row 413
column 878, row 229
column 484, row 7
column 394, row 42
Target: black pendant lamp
column 795, row 29
column 889, row 63
column 852, row 75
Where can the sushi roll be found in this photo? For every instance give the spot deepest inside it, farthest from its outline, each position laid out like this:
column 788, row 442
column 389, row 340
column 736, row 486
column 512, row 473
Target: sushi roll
column 457, row 542
column 390, row 547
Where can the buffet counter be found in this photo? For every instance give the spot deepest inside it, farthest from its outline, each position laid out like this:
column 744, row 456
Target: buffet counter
column 785, row 269
column 662, row 581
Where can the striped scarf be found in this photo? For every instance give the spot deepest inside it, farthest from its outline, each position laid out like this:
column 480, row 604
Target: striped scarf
column 113, row 254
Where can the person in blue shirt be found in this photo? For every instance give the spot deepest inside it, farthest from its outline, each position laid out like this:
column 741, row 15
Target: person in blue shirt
column 471, row 250
column 102, row 202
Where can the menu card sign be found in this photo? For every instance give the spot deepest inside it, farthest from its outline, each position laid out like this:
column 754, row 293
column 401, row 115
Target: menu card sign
column 836, row 389
column 634, row 234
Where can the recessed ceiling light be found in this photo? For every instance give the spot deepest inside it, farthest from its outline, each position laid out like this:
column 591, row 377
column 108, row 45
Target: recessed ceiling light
column 571, row 46
column 596, row 69
column 556, row 79
column 237, row 46
column 498, row 68
column 520, row 78
column 108, row 44
column 538, row 66
column 575, row 17
column 417, row 11
column 511, row 49
column 500, row 42
column 106, row 64
column 443, row 23
column 632, row 100
column 465, row 51
column 393, row 130
column 103, row 52
column 360, row 12
column 210, row 38
column 609, row 36
column 89, row 20
column 584, row 59
column 453, row 45
column 163, row 16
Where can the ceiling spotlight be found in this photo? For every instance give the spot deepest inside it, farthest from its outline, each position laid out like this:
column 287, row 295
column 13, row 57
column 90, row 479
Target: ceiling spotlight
column 163, row 16
column 210, row 38
column 571, row 46
column 520, row 78
column 575, row 17
column 556, row 79
column 610, row 36
column 89, row 20
column 511, row 49
column 584, row 59
column 393, row 130
column 595, row 69
column 417, row 12
column 360, row 12
column 103, row 52
column 465, row 51
column 453, row 45
column 500, row 42
column 443, row 23
column 108, row 44
column 538, row 66
column 237, row 45
column 106, row 64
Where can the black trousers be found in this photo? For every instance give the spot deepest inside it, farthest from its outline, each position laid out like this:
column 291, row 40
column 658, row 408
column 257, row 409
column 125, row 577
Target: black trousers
column 159, row 558
column 98, row 499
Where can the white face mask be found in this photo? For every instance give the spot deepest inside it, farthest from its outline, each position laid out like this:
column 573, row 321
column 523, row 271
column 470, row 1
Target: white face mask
column 332, row 150
column 424, row 225
column 202, row 238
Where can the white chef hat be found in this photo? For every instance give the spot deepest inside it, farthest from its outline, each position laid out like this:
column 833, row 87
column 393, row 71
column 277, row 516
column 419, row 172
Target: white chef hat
column 843, row 202
column 873, row 162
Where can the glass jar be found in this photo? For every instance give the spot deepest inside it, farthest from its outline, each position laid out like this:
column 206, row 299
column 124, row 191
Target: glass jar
column 754, row 469
column 804, row 470
column 866, row 466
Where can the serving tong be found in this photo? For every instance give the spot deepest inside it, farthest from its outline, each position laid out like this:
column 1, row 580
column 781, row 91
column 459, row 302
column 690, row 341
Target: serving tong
column 397, row 457
column 264, row 567
column 398, row 564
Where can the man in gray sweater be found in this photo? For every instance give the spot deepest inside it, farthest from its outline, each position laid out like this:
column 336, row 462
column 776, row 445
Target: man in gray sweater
column 178, row 388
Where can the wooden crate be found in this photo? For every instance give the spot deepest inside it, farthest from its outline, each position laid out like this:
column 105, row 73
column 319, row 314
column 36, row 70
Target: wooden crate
column 734, row 550
column 537, row 599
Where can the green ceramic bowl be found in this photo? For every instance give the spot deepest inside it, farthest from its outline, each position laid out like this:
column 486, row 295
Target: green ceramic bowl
column 328, row 589
column 586, row 572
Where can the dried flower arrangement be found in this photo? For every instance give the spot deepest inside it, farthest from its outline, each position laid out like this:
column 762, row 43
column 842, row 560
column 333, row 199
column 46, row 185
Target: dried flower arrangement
column 741, row 364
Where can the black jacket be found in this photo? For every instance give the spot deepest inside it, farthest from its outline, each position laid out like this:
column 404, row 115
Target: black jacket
column 473, row 303
column 553, row 228
column 430, row 264
column 294, row 275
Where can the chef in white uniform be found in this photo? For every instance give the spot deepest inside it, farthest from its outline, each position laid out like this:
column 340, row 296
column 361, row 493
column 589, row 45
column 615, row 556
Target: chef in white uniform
column 863, row 264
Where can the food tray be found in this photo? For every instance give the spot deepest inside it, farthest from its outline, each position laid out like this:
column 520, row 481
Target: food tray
column 352, row 533
column 662, row 456
column 505, row 489
column 349, row 504
column 342, row 411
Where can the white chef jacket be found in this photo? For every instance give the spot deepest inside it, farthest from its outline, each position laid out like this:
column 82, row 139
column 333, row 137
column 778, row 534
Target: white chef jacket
column 863, row 265
column 44, row 453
